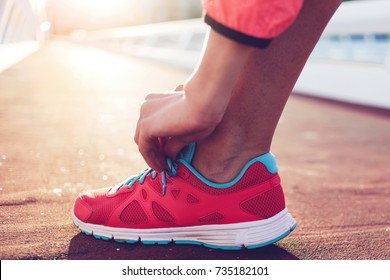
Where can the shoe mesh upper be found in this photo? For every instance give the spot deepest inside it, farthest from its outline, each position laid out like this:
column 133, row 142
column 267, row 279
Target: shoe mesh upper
column 211, row 218
column 161, row 213
column 134, row 214
column 192, row 199
column 266, row 204
column 256, row 174
column 175, row 193
column 156, row 184
column 144, row 194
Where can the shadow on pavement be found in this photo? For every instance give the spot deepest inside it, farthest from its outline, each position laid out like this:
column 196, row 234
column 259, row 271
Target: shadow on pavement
column 86, row 247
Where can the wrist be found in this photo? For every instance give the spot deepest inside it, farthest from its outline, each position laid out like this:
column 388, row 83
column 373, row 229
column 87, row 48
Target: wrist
column 206, row 103
column 210, row 86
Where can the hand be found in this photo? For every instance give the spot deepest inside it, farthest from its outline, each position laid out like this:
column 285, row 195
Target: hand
column 168, row 122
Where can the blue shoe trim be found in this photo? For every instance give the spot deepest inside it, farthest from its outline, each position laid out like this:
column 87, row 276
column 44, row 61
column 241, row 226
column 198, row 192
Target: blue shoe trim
column 101, row 237
column 223, row 247
column 273, row 240
column 85, row 232
column 159, row 242
column 267, row 159
column 148, row 242
column 188, row 242
column 293, row 227
column 130, row 241
column 165, row 242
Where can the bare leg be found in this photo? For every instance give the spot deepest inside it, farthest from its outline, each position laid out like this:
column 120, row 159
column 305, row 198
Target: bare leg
column 260, row 95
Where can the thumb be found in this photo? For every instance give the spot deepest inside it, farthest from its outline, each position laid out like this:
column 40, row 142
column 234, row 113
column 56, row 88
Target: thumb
column 173, row 146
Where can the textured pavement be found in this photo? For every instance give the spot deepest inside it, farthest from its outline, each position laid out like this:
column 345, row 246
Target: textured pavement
column 67, row 116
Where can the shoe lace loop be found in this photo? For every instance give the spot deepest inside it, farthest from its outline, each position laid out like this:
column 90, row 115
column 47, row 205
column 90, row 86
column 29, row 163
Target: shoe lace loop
column 171, row 171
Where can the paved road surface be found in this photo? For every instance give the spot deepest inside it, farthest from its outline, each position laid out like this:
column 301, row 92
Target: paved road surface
column 67, row 114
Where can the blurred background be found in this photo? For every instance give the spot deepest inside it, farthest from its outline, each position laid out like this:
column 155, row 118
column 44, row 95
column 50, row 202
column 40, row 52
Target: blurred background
column 351, row 59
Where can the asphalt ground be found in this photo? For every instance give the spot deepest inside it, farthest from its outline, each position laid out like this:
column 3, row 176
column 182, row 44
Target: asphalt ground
column 67, row 116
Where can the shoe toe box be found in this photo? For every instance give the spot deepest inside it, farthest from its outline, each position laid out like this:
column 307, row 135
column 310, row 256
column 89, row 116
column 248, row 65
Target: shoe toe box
column 87, row 204
column 82, row 210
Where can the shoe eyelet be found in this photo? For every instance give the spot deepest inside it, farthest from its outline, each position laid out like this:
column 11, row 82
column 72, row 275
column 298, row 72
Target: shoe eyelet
column 184, row 174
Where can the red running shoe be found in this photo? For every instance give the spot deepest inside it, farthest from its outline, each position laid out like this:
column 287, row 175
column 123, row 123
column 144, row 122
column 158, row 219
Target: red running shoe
column 181, row 206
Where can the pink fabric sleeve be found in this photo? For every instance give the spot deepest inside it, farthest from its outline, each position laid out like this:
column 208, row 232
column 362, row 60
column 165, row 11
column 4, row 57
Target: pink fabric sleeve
column 252, row 22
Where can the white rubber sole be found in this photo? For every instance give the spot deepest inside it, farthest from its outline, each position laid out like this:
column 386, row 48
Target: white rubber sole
column 226, row 236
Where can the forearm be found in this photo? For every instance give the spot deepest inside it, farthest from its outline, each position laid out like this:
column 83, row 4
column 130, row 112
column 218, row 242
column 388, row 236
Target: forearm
column 210, row 86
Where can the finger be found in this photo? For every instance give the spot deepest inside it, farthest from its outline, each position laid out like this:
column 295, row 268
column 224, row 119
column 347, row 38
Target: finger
column 150, row 151
column 159, row 96
column 151, row 96
column 173, row 146
column 145, row 109
column 136, row 134
column 179, row 87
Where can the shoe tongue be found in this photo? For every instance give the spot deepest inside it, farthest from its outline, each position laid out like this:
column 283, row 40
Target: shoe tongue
column 187, row 153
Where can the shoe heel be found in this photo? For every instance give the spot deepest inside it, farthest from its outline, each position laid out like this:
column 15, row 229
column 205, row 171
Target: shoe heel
column 244, row 235
column 269, row 231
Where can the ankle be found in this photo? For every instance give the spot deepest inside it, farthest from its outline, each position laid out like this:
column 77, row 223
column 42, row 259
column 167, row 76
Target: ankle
column 218, row 171
column 222, row 165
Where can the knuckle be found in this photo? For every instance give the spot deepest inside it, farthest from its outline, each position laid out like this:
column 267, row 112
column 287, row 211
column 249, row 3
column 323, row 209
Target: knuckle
column 143, row 107
column 148, row 96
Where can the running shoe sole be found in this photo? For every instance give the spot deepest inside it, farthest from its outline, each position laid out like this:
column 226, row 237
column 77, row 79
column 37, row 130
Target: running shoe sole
column 236, row 236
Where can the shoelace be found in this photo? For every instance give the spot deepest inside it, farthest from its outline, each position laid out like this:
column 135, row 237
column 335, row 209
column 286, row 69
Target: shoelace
column 172, row 168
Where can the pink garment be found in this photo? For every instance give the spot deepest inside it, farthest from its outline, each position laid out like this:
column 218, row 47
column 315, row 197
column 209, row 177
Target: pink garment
column 264, row 19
